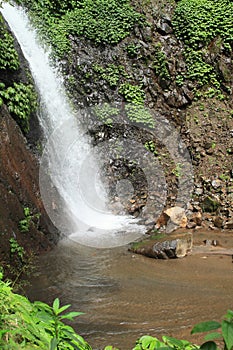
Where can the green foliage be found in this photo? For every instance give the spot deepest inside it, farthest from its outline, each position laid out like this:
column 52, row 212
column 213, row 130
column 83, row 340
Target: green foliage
column 110, row 73
column 24, row 224
column 147, row 342
column 197, row 22
column 150, row 146
column 132, row 50
column 160, row 64
column 15, row 248
column 106, row 113
column 26, row 325
column 226, row 332
column 177, row 171
column 201, row 24
column 103, row 21
column 132, row 93
column 139, row 114
column 8, row 55
column 21, row 101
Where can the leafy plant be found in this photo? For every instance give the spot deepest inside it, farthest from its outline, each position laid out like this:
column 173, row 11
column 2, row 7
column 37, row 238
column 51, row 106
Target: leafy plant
column 26, row 325
column 15, row 248
column 150, row 146
column 132, row 50
column 132, row 93
column 9, row 58
column 21, row 101
column 139, row 114
column 225, row 333
column 177, row 171
column 24, row 224
column 102, row 21
column 160, row 63
column 106, row 113
column 202, row 25
column 111, row 73
column 147, row 342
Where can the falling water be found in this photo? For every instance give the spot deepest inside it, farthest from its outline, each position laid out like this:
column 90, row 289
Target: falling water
column 71, row 189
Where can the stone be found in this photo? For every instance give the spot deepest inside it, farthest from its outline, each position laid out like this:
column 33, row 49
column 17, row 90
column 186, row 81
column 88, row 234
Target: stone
column 209, row 205
column 177, row 216
column 168, row 247
column 229, row 225
column 218, row 221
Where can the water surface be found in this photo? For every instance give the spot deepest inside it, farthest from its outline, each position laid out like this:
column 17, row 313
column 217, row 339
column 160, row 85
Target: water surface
column 124, row 295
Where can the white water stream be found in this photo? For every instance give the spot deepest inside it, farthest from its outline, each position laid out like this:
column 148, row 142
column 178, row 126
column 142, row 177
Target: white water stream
column 71, row 189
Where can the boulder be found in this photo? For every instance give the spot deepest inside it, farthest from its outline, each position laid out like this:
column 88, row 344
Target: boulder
column 168, row 247
column 177, row 216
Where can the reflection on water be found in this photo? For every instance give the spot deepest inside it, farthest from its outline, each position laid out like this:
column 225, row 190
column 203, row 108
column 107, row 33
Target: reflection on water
column 124, row 295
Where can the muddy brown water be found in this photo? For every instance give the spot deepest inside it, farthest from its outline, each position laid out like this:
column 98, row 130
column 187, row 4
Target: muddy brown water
column 124, row 295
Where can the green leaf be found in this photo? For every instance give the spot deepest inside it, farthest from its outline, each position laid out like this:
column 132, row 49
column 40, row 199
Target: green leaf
column 173, row 342
column 70, row 315
column 56, row 305
column 229, row 315
column 212, row 336
column 205, row 327
column 209, row 345
column 227, row 332
column 63, row 308
column 53, row 344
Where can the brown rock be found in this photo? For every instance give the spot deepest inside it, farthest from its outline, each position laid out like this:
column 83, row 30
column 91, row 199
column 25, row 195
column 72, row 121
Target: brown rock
column 218, row 221
column 177, row 216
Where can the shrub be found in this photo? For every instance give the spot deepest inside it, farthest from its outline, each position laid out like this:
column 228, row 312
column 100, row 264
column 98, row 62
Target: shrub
column 26, row 325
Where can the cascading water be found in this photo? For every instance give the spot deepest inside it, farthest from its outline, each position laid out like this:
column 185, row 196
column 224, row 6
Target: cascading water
column 68, row 166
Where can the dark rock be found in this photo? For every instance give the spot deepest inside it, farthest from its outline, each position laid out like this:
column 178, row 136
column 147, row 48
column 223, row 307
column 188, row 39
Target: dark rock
column 209, row 205
column 169, row 247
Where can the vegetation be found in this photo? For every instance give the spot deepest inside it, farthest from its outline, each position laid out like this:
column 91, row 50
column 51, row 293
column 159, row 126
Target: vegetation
column 26, row 325
column 160, row 64
column 132, row 93
column 201, row 24
column 102, row 21
column 21, row 101
column 20, row 98
column 8, row 55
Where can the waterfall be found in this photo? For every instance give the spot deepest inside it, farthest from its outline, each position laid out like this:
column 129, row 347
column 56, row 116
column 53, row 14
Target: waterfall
column 71, row 189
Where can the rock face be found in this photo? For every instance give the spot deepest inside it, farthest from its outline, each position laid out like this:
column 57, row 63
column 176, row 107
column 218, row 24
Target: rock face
column 169, row 247
column 19, row 189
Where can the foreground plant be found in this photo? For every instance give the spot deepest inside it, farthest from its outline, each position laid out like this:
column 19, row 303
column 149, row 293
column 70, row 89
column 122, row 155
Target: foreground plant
column 225, row 332
column 26, row 325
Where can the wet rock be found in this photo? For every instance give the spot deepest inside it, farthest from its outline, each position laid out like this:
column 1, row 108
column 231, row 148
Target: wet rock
column 169, row 247
column 19, row 187
column 164, row 26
